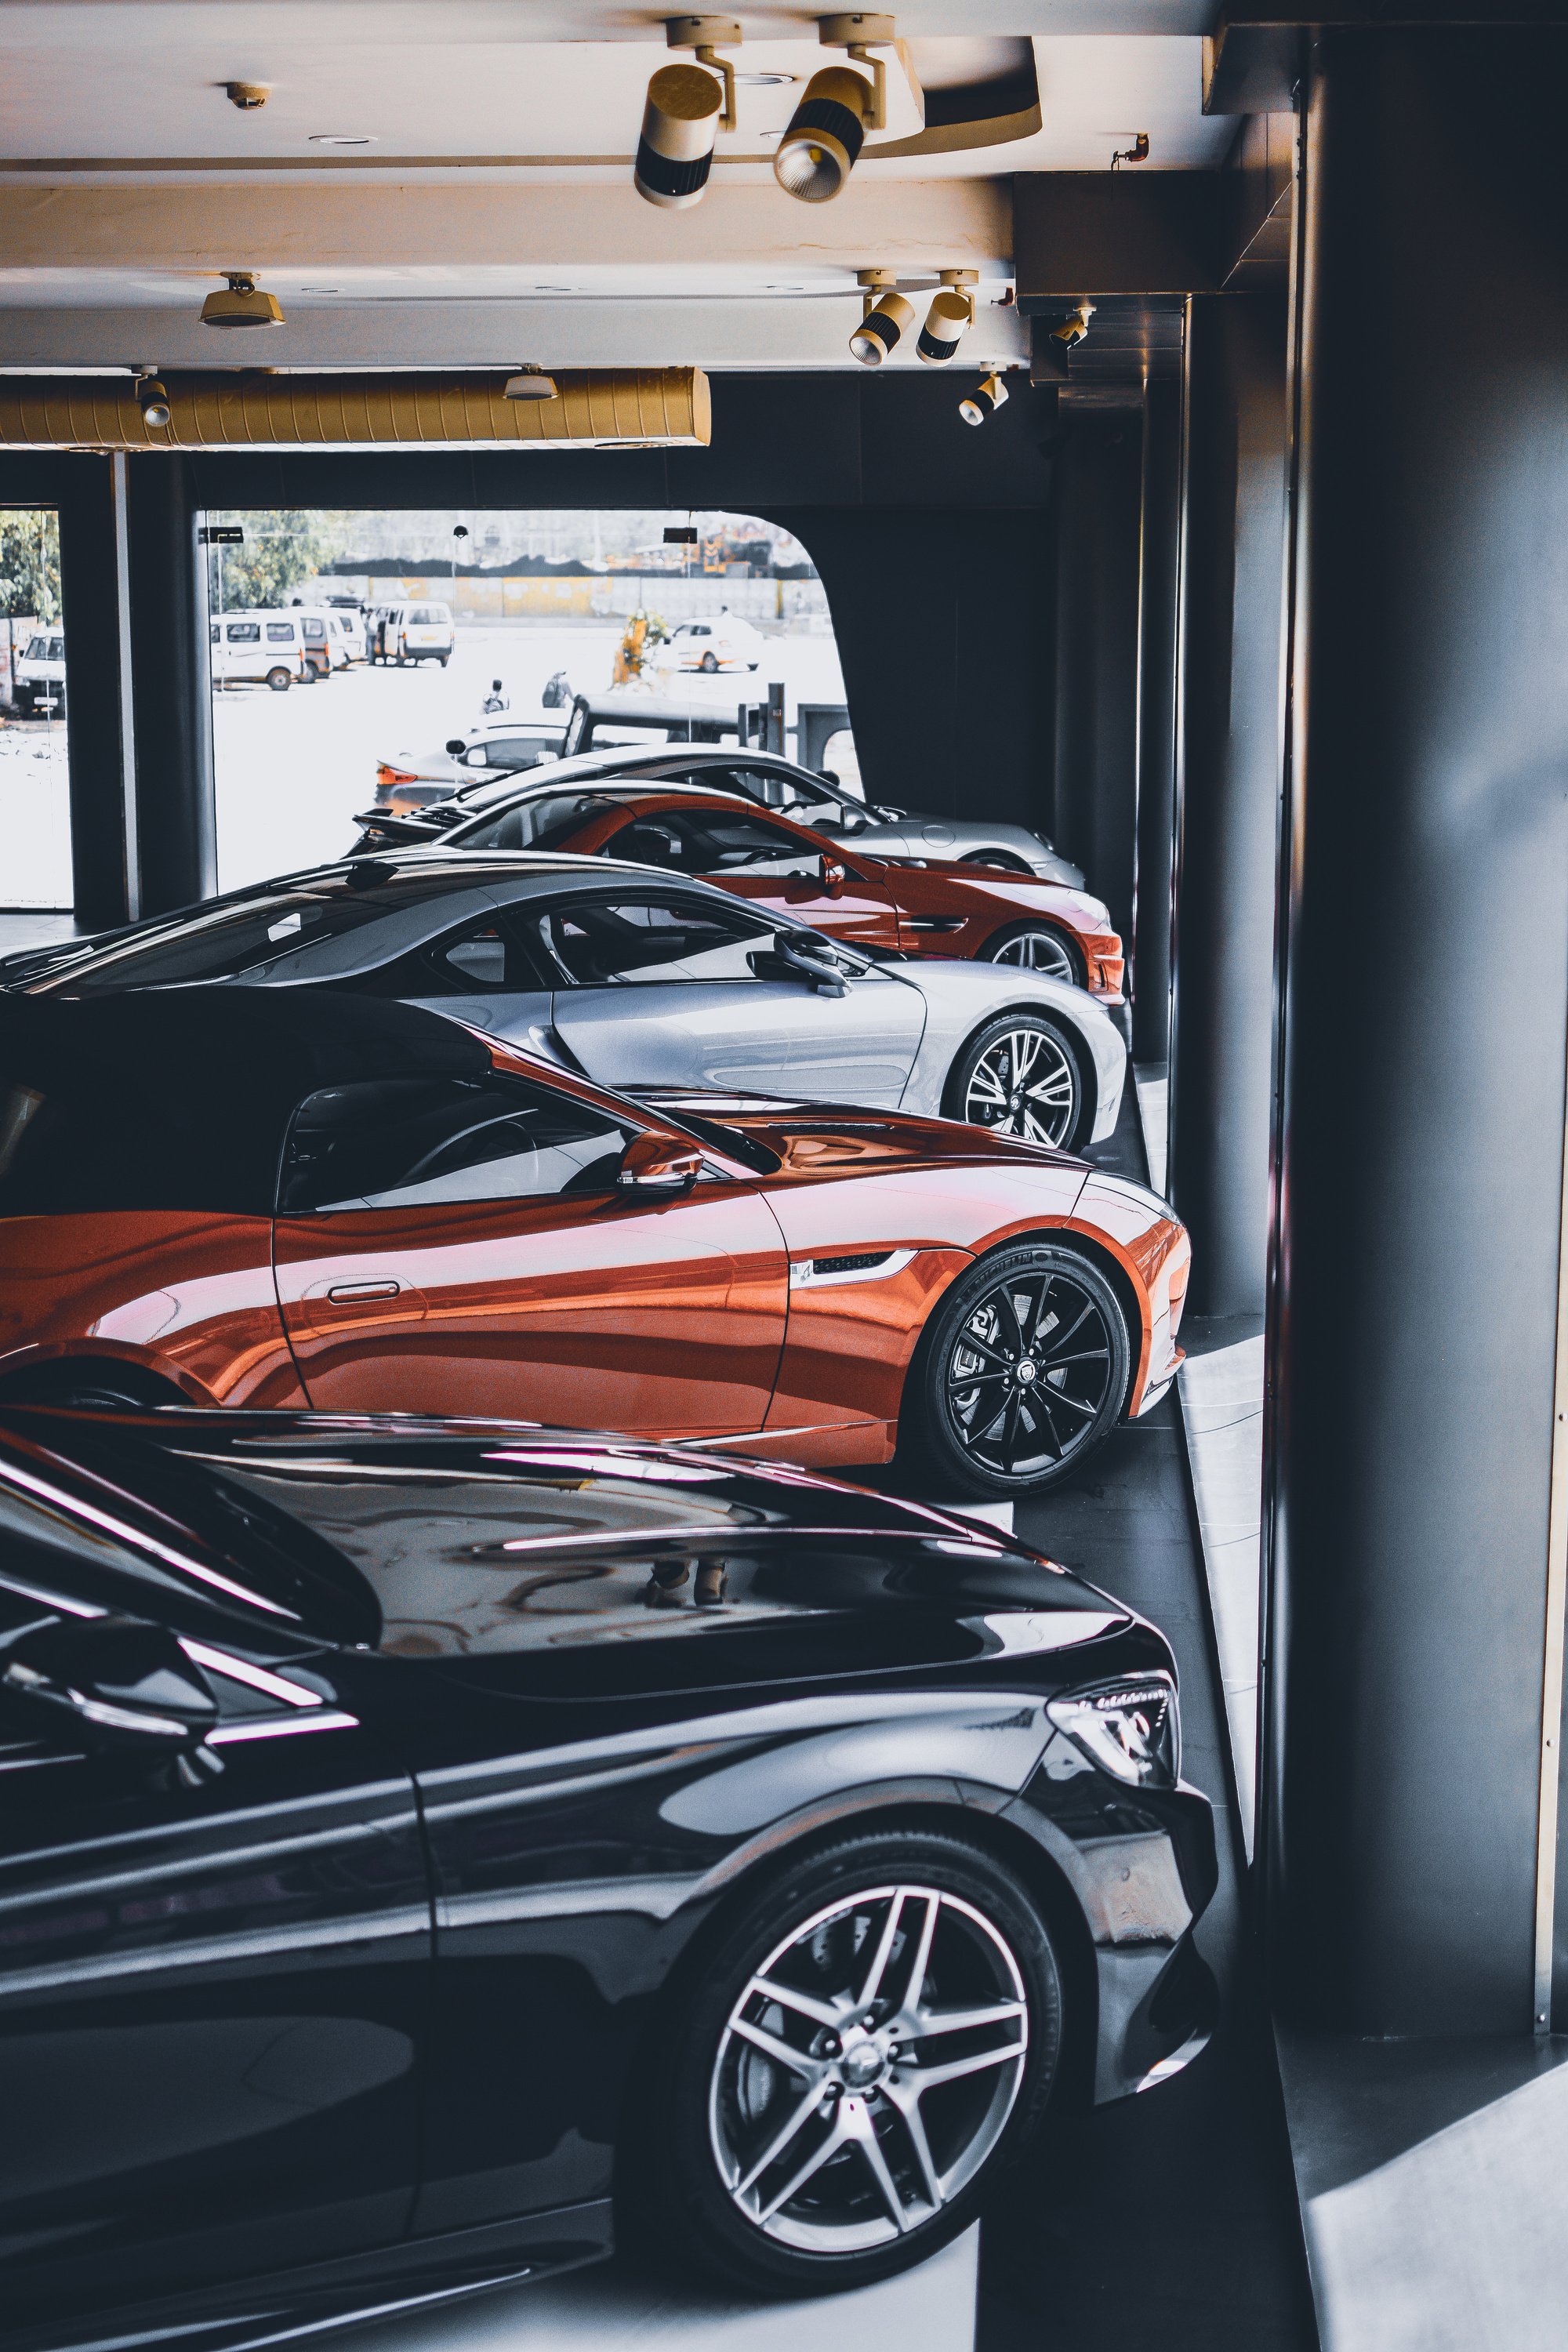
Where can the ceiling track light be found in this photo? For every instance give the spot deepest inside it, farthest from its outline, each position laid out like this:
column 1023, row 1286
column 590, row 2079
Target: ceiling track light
column 988, row 396
column 950, row 318
column 151, row 397
column 1074, row 329
column 241, row 303
column 827, row 130
column 884, row 318
column 687, row 107
column 247, row 95
column 530, row 383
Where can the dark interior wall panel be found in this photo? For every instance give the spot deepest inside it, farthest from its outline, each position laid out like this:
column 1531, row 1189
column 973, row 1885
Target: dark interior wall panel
column 1096, row 527
column 1228, row 794
column 1421, row 1160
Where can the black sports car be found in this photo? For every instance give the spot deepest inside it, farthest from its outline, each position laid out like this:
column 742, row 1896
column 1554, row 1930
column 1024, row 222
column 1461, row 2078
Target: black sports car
column 421, row 1840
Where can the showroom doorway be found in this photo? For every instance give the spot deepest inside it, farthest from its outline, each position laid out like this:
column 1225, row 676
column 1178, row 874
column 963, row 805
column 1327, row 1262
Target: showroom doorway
column 353, row 651
column 34, row 774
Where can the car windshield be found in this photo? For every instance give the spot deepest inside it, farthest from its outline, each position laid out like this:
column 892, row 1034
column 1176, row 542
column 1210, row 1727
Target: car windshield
column 245, row 936
column 45, row 649
column 546, row 821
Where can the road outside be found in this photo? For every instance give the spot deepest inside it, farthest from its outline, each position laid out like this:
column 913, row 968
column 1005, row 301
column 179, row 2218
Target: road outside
column 293, row 770
column 36, row 805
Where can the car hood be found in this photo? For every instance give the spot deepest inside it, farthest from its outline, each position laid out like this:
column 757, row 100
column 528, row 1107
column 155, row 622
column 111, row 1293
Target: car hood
column 556, row 1566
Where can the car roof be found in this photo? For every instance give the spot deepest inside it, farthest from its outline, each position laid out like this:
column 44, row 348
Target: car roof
column 623, row 760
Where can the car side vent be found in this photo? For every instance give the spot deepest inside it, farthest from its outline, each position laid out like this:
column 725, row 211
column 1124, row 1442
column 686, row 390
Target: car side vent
column 812, row 1273
column 820, row 1266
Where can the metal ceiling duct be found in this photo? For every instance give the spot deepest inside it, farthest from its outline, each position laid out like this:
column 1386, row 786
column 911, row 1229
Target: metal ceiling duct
column 594, row 408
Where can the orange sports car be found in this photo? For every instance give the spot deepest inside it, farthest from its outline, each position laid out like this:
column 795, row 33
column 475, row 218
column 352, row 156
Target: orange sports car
column 248, row 1196
column 877, row 902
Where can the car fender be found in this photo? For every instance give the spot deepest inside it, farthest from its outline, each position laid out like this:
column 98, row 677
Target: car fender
column 962, row 997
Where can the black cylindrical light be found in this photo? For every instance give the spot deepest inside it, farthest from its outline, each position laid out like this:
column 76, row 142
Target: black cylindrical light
column 986, row 398
column 825, row 135
column 880, row 330
column 946, row 322
column 679, row 124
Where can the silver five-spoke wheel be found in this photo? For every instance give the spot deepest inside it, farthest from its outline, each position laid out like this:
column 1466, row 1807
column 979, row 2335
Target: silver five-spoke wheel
column 867, row 2068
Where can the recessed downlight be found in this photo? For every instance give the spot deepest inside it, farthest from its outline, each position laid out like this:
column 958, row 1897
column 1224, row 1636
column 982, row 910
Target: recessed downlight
column 320, row 289
column 765, row 80
column 341, row 138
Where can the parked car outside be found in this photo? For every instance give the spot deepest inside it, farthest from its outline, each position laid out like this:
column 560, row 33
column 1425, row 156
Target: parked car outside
column 347, row 1201
column 423, row 1829
column 39, row 676
column 506, row 745
column 259, row 649
column 415, row 633
column 609, row 969
column 886, row 905
column 819, row 801
column 716, row 641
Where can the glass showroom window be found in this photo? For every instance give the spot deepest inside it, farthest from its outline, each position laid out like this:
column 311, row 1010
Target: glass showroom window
column 357, row 654
column 34, row 781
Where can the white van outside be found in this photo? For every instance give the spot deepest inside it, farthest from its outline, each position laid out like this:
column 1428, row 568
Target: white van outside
column 348, row 626
column 322, row 634
column 416, row 633
column 39, row 676
column 259, row 649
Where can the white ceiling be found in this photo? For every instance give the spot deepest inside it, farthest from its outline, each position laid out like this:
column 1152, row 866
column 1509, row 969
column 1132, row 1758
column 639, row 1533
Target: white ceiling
column 492, row 214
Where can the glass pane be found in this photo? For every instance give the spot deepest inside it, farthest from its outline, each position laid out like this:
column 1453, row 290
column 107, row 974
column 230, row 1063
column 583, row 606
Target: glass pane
column 399, row 1142
column 436, row 605
column 33, row 779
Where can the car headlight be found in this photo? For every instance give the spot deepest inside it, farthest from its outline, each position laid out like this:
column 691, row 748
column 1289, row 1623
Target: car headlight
column 1131, row 1729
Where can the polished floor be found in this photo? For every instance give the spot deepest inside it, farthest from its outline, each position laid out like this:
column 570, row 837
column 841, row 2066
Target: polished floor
column 1171, row 2216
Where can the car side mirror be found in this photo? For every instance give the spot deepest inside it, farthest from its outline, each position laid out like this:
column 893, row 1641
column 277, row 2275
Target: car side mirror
column 810, row 954
column 122, row 1682
column 834, row 877
column 656, row 1167
column 455, row 747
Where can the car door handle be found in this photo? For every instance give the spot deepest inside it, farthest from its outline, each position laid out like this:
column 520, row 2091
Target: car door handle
column 343, row 1294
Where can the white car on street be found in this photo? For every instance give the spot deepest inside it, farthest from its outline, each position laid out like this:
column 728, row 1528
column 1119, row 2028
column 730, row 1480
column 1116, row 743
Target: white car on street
column 261, row 648
column 414, row 633
column 718, row 641
column 39, row 676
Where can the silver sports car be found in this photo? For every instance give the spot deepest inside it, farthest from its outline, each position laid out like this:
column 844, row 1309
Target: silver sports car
column 799, row 792
column 642, row 982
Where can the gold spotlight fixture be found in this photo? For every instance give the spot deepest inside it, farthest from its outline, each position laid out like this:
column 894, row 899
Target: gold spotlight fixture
column 151, row 397
column 241, row 303
column 827, row 130
column 687, row 106
column 247, row 95
column 885, row 317
column 988, row 396
column 950, row 316
column 530, row 383
column 1074, row 329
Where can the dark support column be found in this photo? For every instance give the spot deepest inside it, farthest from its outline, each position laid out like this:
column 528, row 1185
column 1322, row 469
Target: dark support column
column 1100, row 467
column 1159, row 559
column 1228, row 797
column 1408, row 1481
column 173, row 687
column 95, row 598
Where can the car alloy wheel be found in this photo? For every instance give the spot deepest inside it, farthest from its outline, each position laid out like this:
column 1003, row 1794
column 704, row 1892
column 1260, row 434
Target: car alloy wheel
column 1021, row 1080
column 877, row 2032
column 824, row 2107
column 1036, row 948
column 1023, row 1373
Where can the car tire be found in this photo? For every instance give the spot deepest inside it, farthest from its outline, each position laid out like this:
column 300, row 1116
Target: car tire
column 1037, row 947
column 444, row 660
column 1000, row 861
column 974, row 1423
column 1028, row 1071
column 708, row 664
column 714, row 2102
column 279, row 680
column 84, row 1387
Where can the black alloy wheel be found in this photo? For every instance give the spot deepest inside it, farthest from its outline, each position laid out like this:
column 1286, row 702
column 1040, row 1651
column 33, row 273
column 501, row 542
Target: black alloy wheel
column 1021, row 1076
column 875, row 2038
column 1036, row 947
column 1021, row 1375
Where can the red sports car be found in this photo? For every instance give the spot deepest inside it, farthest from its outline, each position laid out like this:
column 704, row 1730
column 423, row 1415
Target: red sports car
column 878, row 902
column 245, row 1196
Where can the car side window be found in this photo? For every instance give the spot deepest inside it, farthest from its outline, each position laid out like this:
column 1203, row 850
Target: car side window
column 244, row 633
column 720, row 841
column 280, row 633
column 487, row 956
column 605, row 941
column 394, row 1143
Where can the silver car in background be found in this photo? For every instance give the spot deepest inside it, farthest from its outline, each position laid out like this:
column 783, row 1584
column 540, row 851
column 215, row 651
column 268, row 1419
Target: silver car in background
column 644, row 983
column 801, row 794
